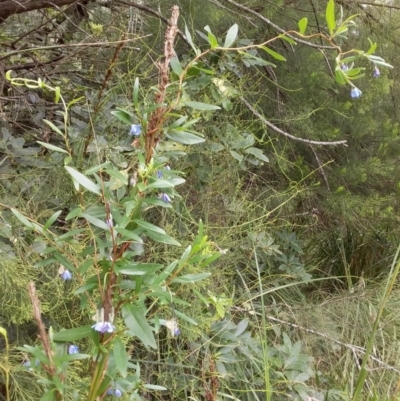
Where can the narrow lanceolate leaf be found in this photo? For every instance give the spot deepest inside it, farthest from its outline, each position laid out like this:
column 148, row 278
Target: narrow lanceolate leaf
column 52, row 147
column 73, row 334
column 53, row 127
column 95, row 221
column 191, row 278
column 231, row 35
column 273, row 53
column 162, row 238
column 83, row 180
column 138, row 325
column 131, row 235
column 149, row 226
column 183, row 137
column 190, row 40
column 51, row 219
column 330, row 16
column 125, row 116
column 120, row 357
column 176, row 66
column 21, row 218
column 202, row 106
column 136, row 92
column 303, row 25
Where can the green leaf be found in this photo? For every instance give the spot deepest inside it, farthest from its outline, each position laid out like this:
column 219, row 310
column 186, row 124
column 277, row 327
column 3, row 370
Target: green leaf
column 287, row 39
column 120, row 356
column 201, row 106
column 273, row 53
column 231, row 35
column 83, row 180
column 258, row 154
column 64, row 261
column 185, row 317
column 21, row 218
column 128, row 234
column 136, row 92
column 53, row 127
column 212, row 40
column 303, row 25
column 51, row 219
column 158, row 183
column 73, row 334
column 149, row 226
column 236, row 156
column 52, row 147
column 184, row 137
column 95, row 221
column 118, row 175
column 176, row 66
column 330, row 16
column 139, row 269
column 86, row 287
column 191, row 278
column 154, row 387
column 73, row 213
column 97, row 168
column 340, row 76
column 138, row 325
column 156, row 201
column 190, row 40
column 162, row 238
column 123, row 115
column 372, row 47
column 73, row 101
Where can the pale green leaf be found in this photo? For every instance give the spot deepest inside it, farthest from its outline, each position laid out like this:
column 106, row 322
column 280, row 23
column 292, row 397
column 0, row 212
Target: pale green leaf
column 73, row 334
column 83, row 180
column 183, row 137
column 120, row 356
column 52, row 147
column 191, row 278
column 53, row 127
column 138, row 325
column 231, row 35
column 201, row 106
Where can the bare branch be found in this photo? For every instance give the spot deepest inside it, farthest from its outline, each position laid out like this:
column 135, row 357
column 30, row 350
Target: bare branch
column 10, row 7
column 279, row 131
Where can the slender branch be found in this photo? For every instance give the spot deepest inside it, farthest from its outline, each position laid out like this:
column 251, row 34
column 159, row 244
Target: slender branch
column 379, row 5
column 279, row 131
column 276, row 27
column 321, row 167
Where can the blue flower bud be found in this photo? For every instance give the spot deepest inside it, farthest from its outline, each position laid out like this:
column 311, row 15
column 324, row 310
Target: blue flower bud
column 103, row 327
column 66, row 275
column 135, row 130
column 73, row 349
column 165, row 197
column 344, row 67
column 117, row 393
column 376, row 73
column 355, row 93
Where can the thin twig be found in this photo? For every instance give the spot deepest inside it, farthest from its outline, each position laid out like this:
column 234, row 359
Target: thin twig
column 279, row 131
column 321, row 167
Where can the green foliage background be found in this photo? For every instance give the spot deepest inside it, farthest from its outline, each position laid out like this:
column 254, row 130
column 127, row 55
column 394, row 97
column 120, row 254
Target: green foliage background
column 310, row 235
